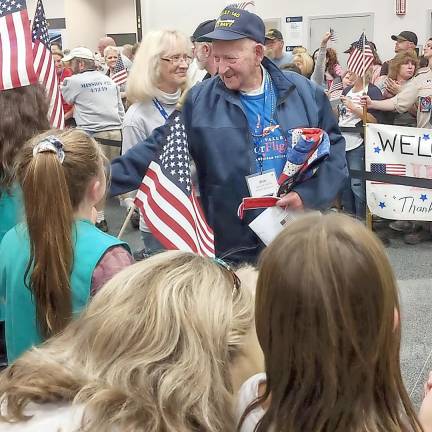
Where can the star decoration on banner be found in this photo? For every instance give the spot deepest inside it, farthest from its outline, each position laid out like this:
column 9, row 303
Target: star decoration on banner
column 426, row 137
column 382, row 204
column 377, row 150
column 423, row 197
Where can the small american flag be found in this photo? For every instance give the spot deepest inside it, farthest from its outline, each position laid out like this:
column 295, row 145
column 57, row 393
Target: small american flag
column 16, row 58
column 361, row 57
column 392, row 169
column 167, row 200
column 45, row 67
column 120, row 72
column 335, row 90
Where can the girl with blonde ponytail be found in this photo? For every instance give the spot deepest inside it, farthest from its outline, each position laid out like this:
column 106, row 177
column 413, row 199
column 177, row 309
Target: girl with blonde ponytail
column 50, row 264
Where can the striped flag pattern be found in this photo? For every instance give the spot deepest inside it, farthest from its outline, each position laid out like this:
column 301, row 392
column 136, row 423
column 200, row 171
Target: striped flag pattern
column 45, row 67
column 400, row 7
column 361, row 57
column 120, row 72
column 167, row 200
column 243, row 5
column 16, row 58
column 392, row 169
column 336, row 89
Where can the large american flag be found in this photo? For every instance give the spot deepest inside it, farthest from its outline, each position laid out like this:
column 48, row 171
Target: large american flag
column 361, row 57
column 45, row 67
column 392, row 169
column 167, row 200
column 16, row 58
column 120, row 72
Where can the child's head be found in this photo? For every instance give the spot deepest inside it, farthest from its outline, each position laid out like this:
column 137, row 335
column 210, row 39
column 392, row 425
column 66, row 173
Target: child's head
column 23, row 113
column 151, row 352
column 61, row 174
column 326, row 319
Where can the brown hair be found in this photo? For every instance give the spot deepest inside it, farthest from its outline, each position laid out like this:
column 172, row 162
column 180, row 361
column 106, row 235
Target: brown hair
column 24, row 113
column 400, row 59
column 325, row 319
column 52, row 191
column 332, row 61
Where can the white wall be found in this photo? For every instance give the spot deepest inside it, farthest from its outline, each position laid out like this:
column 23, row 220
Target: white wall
column 85, row 22
column 386, row 22
column 185, row 15
column 120, row 16
column 53, row 8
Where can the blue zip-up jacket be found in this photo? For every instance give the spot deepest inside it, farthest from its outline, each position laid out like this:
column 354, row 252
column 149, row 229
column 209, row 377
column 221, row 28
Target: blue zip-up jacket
column 222, row 148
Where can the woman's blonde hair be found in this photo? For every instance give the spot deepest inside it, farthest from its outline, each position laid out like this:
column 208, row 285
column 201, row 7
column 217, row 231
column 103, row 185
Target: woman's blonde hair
column 144, row 76
column 325, row 318
column 111, row 48
column 151, row 353
column 303, row 61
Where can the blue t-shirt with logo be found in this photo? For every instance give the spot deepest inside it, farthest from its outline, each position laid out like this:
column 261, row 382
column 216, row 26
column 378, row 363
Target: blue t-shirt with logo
column 259, row 111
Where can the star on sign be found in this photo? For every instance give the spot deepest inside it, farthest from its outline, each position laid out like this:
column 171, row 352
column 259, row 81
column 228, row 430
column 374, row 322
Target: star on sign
column 382, row 204
column 423, row 197
column 426, row 137
column 377, row 150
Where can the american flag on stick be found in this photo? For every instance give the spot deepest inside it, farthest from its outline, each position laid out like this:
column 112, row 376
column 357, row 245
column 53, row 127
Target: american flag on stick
column 167, row 200
column 361, row 57
column 45, row 67
column 120, row 72
column 16, row 58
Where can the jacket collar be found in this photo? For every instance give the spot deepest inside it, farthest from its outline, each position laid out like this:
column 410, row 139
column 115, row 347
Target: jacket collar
column 280, row 80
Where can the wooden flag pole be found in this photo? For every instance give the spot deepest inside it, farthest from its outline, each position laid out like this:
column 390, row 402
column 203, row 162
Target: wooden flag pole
column 365, row 113
column 126, row 221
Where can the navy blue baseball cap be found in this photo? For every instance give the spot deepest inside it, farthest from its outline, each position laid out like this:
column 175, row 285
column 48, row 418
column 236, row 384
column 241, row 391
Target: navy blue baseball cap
column 234, row 23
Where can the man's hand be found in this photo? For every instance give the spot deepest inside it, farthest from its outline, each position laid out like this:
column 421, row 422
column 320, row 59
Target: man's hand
column 291, row 201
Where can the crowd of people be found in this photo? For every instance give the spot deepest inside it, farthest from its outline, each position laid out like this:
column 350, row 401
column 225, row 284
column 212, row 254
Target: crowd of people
column 299, row 335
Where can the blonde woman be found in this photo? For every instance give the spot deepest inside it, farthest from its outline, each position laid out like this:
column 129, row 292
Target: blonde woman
column 156, row 81
column 111, row 55
column 303, row 61
column 151, row 353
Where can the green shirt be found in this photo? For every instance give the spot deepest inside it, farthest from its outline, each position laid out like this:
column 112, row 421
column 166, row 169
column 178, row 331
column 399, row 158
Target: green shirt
column 90, row 244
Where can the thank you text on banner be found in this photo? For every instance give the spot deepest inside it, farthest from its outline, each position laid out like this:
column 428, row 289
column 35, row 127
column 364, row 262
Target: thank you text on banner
column 404, row 152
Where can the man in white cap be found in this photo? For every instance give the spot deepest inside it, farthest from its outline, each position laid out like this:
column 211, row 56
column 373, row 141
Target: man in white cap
column 98, row 108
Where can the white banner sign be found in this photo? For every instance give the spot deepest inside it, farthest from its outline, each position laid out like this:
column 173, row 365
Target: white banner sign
column 401, row 151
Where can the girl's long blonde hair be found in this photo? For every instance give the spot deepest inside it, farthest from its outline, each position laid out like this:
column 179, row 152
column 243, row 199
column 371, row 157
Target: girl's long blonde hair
column 151, row 353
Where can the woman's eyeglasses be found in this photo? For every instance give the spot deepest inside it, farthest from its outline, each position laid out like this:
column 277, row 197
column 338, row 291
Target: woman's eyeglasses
column 177, row 59
column 227, row 267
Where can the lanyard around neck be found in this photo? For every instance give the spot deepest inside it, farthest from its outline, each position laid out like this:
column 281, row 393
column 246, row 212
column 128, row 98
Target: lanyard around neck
column 160, row 108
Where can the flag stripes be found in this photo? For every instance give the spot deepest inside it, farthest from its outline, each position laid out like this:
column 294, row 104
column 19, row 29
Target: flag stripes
column 45, row 67
column 16, row 59
column 361, row 57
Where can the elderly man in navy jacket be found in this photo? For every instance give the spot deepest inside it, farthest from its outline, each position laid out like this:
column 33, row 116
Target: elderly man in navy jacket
column 237, row 123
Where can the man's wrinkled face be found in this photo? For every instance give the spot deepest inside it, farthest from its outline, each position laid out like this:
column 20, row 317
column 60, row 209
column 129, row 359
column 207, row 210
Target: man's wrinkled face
column 236, row 61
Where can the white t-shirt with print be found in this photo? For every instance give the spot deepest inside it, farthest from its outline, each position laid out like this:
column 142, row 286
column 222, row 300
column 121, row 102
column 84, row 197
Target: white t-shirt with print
column 349, row 119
